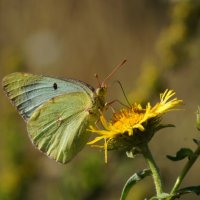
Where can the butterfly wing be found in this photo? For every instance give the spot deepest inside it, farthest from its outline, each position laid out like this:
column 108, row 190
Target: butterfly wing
column 59, row 127
column 27, row 91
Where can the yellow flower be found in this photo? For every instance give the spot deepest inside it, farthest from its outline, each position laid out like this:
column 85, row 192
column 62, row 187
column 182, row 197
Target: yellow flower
column 132, row 126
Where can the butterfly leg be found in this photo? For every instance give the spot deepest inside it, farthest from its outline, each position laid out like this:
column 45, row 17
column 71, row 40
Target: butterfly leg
column 109, row 104
column 96, row 123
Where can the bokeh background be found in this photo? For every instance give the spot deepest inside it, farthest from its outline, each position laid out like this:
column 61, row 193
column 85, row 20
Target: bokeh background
column 70, row 38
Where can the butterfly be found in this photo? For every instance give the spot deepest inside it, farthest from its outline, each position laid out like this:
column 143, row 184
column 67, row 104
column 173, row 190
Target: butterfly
column 57, row 111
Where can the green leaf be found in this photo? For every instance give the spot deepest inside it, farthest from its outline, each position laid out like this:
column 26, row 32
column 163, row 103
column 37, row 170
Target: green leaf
column 161, row 196
column 186, row 190
column 161, row 126
column 198, row 118
column 196, row 142
column 183, row 191
column 133, row 180
column 181, row 154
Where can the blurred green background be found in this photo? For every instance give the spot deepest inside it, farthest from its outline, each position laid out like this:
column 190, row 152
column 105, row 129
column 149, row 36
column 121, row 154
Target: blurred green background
column 75, row 39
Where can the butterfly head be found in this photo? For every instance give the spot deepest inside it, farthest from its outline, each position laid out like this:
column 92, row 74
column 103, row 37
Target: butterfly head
column 101, row 91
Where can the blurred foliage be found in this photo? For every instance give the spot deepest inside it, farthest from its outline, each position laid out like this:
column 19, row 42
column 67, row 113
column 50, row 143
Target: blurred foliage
column 173, row 48
column 174, row 42
column 115, row 29
column 148, row 83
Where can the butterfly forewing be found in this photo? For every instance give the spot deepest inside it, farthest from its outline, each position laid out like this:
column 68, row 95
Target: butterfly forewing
column 58, row 112
column 59, row 127
column 27, row 92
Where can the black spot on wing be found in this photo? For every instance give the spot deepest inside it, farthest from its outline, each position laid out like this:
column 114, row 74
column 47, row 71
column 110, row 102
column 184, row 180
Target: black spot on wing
column 55, row 86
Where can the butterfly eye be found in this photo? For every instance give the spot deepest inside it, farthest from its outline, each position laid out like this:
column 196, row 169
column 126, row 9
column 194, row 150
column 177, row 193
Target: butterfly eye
column 55, row 86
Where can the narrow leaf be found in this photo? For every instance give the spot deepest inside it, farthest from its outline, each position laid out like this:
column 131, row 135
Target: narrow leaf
column 161, row 126
column 133, row 180
column 192, row 189
column 181, row 154
column 196, row 142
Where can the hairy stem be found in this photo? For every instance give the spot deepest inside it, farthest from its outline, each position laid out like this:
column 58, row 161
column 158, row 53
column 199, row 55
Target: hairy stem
column 154, row 169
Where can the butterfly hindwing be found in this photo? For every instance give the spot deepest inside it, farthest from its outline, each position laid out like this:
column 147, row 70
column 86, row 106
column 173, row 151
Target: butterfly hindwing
column 59, row 127
column 27, row 91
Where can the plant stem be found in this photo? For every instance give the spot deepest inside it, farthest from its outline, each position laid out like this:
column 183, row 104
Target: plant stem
column 185, row 170
column 154, row 169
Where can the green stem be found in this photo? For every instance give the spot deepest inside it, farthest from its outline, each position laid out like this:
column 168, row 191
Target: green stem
column 154, row 169
column 185, row 170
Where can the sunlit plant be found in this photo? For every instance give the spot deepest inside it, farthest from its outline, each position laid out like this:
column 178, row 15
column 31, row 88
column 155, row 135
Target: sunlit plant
column 131, row 129
column 62, row 114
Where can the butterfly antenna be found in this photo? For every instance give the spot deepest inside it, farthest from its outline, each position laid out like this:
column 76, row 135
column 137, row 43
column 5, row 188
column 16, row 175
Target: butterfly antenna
column 97, row 77
column 113, row 71
column 124, row 93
